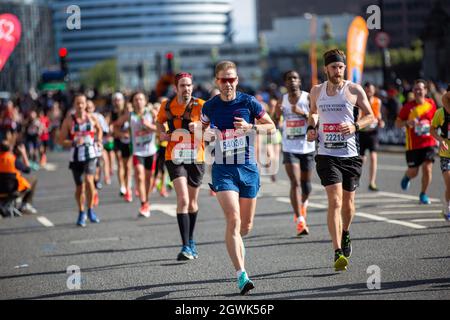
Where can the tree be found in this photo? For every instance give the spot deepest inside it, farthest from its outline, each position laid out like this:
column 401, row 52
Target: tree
column 102, row 76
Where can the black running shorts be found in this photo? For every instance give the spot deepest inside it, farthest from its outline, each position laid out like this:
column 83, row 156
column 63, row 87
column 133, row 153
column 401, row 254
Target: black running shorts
column 368, row 140
column 192, row 171
column 333, row 170
column 79, row 169
column 306, row 161
column 415, row 158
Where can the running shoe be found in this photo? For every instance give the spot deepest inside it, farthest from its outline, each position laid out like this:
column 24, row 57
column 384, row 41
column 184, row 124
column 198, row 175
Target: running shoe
column 43, row 161
column 245, row 284
column 128, row 197
column 93, row 217
column 193, row 247
column 144, row 211
column 405, row 183
column 346, row 244
column 185, row 254
column 373, row 187
column 445, row 215
column 28, row 208
column 424, row 199
column 81, row 222
column 302, row 228
column 122, row 191
column 163, row 193
column 340, row 261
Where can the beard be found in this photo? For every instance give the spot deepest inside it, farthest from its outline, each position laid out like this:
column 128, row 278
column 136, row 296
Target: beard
column 334, row 79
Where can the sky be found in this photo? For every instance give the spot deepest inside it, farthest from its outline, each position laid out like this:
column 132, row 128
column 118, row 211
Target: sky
column 244, row 20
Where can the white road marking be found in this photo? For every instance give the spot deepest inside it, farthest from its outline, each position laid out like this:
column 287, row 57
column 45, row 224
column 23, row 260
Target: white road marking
column 361, row 214
column 409, row 212
column 169, row 209
column 45, row 222
column 94, row 240
column 50, row 167
column 383, row 219
column 402, row 196
column 428, row 220
column 406, row 205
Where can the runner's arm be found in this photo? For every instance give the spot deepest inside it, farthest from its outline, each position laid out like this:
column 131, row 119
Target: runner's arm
column 98, row 128
column 64, row 132
column 313, row 118
column 278, row 113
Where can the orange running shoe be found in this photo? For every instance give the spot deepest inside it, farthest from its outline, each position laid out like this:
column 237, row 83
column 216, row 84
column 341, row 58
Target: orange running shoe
column 144, row 211
column 128, row 197
column 302, row 228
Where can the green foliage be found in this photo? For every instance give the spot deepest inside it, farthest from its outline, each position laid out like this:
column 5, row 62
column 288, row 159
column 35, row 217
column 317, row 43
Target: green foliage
column 102, row 76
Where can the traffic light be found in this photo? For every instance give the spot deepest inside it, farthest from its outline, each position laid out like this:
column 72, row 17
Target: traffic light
column 62, row 60
column 169, row 57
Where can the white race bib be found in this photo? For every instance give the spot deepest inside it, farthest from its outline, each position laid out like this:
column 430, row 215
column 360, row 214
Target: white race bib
column 334, row 139
column 422, row 128
column 232, row 143
column 295, row 129
column 184, row 153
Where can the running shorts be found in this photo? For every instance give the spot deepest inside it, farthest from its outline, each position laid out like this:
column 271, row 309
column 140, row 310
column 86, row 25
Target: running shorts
column 147, row 162
column 79, row 169
column 332, row 170
column 415, row 158
column 368, row 141
column 192, row 171
column 242, row 178
column 306, row 161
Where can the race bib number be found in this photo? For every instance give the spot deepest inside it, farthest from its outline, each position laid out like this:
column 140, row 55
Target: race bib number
column 232, row 143
column 422, row 128
column 83, row 138
column 333, row 138
column 143, row 137
column 295, row 129
column 184, row 152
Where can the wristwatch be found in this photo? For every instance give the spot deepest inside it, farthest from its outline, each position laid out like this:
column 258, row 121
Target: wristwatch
column 254, row 127
column 356, row 126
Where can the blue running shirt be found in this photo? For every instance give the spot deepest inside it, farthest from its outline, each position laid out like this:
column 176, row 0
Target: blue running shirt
column 235, row 148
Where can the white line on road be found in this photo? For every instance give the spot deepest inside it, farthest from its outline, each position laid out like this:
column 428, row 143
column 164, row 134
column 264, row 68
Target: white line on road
column 402, row 196
column 361, row 214
column 406, row 205
column 169, row 209
column 409, row 212
column 428, row 220
column 44, row 221
column 383, row 219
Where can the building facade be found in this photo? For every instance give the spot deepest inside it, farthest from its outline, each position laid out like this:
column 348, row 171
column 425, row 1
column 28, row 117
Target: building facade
column 106, row 25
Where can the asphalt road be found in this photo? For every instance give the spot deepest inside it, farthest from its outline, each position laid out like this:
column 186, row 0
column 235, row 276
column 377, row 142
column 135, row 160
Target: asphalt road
column 123, row 257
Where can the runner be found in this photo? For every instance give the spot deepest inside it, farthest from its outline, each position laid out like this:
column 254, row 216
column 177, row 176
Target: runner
column 44, row 137
column 184, row 156
column 441, row 120
column 160, row 168
column 332, row 119
column 82, row 129
column 143, row 140
column 100, row 151
column 368, row 137
column 298, row 153
column 416, row 116
column 235, row 178
column 122, row 146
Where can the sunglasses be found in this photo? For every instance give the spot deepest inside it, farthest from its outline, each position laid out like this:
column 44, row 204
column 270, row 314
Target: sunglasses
column 226, row 80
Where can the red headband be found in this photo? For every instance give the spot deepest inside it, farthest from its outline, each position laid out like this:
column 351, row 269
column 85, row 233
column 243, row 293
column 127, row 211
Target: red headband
column 181, row 75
